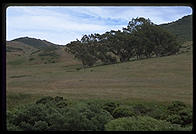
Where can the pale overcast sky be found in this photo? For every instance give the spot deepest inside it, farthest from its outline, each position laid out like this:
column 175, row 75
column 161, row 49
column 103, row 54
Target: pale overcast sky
column 63, row 24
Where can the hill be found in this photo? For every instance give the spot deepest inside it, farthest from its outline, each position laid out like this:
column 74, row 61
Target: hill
column 37, row 43
column 162, row 79
column 182, row 28
column 27, row 50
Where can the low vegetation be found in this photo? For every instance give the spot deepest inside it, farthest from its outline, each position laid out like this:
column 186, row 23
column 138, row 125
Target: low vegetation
column 59, row 114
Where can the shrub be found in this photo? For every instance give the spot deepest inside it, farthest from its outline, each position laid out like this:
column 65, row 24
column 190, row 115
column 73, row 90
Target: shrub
column 51, row 114
column 183, row 117
column 110, row 106
column 157, row 112
column 140, row 123
column 41, row 125
column 29, row 114
column 179, row 113
column 44, row 100
column 175, row 107
column 86, row 117
column 12, row 127
column 186, row 116
column 174, row 119
column 141, row 109
column 57, row 101
column 122, row 111
column 26, row 126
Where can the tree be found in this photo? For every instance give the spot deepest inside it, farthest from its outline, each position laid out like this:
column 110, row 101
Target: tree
column 82, row 52
column 151, row 39
column 140, row 39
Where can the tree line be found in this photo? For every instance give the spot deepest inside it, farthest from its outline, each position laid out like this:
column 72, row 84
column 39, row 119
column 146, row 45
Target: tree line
column 140, row 39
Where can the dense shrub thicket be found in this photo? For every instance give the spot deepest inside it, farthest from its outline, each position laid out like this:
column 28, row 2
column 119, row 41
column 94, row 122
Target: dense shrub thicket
column 178, row 113
column 140, row 39
column 59, row 114
column 123, row 111
column 139, row 123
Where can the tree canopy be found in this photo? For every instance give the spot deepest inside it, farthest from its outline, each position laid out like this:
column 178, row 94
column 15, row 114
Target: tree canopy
column 140, row 39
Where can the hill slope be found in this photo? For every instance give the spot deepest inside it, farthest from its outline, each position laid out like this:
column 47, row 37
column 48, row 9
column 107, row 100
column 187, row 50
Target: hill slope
column 162, row 79
column 37, row 43
column 182, row 28
column 27, row 50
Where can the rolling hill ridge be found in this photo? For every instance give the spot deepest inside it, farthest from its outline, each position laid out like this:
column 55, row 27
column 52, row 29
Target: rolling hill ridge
column 28, row 50
column 182, row 28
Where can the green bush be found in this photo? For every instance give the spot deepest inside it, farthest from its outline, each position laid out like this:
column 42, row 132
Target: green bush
column 110, row 106
column 26, row 126
column 122, row 111
column 140, row 123
column 41, row 125
column 186, row 116
column 175, row 107
column 183, row 117
column 44, row 100
column 157, row 112
column 56, row 114
column 59, row 114
column 57, row 101
column 179, row 113
column 141, row 109
column 86, row 117
column 12, row 127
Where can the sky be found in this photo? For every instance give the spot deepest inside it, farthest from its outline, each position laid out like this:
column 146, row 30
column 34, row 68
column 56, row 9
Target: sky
column 63, row 24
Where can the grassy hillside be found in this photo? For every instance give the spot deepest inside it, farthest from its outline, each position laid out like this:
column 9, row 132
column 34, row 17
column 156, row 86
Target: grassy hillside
column 37, row 43
column 182, row 28
column 157, row 79
column 26, row 51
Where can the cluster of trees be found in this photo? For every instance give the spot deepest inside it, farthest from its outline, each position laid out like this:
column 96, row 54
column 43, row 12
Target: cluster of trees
column 140, row 39
column 59, row 114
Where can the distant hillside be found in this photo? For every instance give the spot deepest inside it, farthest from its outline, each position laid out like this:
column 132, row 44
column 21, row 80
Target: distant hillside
column 182, row 28
column 27, row 50
column 37, row 43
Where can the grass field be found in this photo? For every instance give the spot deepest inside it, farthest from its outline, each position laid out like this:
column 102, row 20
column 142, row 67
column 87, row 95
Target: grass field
column 161, row 79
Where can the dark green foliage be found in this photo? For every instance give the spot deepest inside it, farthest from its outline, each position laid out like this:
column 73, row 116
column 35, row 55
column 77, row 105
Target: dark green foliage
column 183, row 117
column 82, row 51
column 12, row 127
column 44, row 100
column 86, row 117
column 59, row 114
column 157, row 112
column 140, row 123
column 175, row 107
column 140, row 39
column 110, row 106
column 179, row 113
column 56, row 114
column 141, row 109
column 123, row 111
column 41, row 126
